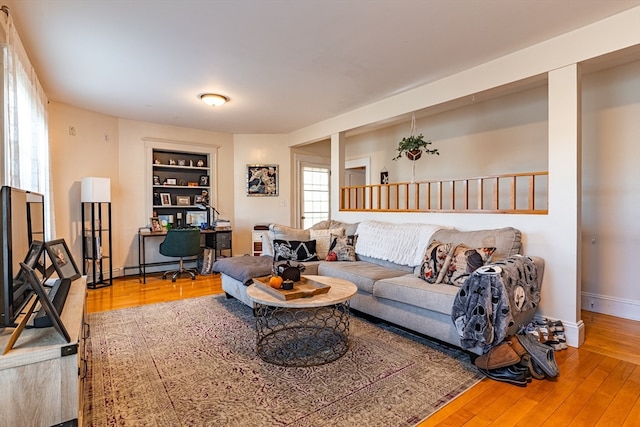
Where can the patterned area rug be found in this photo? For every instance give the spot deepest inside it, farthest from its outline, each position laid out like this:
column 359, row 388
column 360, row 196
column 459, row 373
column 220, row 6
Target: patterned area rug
column 193, row 363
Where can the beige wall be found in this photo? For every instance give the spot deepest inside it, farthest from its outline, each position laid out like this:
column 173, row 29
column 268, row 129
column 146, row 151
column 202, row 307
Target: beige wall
column 611, row 191
column 92, row 151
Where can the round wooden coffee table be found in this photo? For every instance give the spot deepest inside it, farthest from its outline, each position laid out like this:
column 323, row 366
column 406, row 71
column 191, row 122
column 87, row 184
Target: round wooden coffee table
column 304, row 331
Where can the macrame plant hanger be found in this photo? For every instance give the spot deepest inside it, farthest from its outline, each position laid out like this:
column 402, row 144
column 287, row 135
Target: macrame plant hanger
column 413, row 132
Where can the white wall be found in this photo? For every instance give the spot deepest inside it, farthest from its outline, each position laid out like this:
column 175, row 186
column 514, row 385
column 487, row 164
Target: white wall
column 88, row 153
column 611, row 191
column 259, row 149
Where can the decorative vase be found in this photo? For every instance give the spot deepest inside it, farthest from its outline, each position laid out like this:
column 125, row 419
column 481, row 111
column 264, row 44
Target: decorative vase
column 413, row 155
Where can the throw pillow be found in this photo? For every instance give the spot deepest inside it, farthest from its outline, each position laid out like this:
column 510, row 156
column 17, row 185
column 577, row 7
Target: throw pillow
column 342, row 248
column 433, row 264
column 294, row 250
column 323, row 239
column 465, row 261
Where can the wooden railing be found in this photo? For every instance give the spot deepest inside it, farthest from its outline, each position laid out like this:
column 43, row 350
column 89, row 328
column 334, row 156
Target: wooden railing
column 520, row 193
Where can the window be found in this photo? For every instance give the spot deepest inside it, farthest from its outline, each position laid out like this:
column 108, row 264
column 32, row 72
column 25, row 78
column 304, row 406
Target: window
column 25, row 162
column 315, row 195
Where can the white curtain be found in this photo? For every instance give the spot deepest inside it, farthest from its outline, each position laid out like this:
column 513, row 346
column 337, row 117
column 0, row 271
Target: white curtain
column 26, row 135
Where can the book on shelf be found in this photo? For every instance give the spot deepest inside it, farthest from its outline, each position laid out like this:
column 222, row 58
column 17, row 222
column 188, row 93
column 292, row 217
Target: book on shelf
column 223, row 223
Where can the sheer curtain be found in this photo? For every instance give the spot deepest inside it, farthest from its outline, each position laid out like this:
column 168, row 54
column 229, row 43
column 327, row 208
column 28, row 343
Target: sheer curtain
column 26, row 135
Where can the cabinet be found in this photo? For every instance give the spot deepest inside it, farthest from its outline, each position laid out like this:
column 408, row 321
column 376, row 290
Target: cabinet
column 96, row 244
column 181, row 183
column 221, row 242
column 256, row 238
column 42, row 377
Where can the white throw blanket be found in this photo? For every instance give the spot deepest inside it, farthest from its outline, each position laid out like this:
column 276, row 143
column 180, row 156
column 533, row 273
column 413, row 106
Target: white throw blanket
column 400, row 243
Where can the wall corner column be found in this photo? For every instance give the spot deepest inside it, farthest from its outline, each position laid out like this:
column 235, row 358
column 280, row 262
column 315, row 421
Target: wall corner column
column 337, row 170
column 565, row 189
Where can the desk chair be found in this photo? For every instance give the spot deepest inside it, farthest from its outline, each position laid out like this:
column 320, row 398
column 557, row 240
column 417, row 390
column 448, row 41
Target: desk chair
column 181, row 243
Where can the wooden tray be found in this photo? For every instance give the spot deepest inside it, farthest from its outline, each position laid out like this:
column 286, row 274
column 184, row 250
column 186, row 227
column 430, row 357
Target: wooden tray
column 305, row 288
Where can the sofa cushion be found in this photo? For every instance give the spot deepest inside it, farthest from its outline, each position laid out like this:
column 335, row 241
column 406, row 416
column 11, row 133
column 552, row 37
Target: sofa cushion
column 463, row 261
column 294, row 250
column 507, row 241
column 409, row 289
column 349, row 229
column 281, row 232
column 433, row 268
column 342, row 248
column 324, row 239
column 362, row 274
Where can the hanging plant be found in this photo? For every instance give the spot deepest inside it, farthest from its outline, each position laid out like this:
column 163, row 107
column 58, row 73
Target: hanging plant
column 413, row 146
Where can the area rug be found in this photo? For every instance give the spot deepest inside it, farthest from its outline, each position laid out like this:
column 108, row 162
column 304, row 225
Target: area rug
column 193, row 363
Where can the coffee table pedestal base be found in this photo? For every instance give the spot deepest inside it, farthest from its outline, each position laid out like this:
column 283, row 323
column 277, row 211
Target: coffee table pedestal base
column 302, row 336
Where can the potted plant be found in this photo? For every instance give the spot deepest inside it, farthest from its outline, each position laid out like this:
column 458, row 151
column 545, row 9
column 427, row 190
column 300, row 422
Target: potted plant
column 413, row 146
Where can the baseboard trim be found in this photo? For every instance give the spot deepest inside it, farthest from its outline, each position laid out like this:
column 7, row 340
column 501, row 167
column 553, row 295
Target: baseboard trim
column 612, row 306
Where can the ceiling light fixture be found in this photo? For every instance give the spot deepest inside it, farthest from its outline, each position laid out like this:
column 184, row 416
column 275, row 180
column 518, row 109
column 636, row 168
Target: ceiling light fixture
column 213, row 99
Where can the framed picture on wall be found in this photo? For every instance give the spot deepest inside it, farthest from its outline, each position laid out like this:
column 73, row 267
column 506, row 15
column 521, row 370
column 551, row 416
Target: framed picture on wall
column 262, row 180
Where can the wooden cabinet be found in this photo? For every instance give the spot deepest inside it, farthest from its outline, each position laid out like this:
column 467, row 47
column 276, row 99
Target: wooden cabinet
column 42, row 377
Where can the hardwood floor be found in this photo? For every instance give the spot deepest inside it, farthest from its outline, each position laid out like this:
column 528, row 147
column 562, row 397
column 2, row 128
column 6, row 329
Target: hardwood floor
column 599, row 383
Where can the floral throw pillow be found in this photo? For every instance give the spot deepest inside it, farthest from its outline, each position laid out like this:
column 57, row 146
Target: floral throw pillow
column 433, row 264
column 294, row 250
column 343, row 248
column 465, row 261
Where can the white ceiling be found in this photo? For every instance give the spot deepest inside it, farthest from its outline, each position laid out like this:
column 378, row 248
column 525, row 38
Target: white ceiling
column 285, row 64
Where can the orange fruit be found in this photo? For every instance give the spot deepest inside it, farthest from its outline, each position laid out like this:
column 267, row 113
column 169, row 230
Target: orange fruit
column 275, row 282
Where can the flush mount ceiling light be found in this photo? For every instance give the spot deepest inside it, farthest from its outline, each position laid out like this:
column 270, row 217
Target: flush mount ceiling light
column 213, row 99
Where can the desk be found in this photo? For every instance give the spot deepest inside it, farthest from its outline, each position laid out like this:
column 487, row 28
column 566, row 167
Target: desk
column 218, row 240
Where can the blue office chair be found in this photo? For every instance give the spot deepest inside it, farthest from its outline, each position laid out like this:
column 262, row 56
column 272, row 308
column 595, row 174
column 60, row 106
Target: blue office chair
column 181, row 243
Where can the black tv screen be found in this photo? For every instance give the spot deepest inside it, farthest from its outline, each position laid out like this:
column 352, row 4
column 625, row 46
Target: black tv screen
column 22, row 222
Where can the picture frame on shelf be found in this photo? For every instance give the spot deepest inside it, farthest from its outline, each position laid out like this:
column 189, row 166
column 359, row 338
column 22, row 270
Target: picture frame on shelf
column 262, row 180
column 165, row 221
column 183, row 200
column 165, row 199
column 156, row 180
column 48, row 307
column 204, row 180
column 170, row 181
column 62, row 259
column 155, row 223
column 156, row 199
column 197, row 200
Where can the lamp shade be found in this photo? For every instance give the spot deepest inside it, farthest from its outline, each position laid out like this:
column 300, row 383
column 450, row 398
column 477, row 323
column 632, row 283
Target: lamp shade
column 95, row 190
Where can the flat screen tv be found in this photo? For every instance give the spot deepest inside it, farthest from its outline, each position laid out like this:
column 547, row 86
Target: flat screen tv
column 21, row 223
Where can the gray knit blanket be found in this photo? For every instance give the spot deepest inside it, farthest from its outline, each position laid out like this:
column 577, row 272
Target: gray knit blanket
column 244, row 268
column 484, row 307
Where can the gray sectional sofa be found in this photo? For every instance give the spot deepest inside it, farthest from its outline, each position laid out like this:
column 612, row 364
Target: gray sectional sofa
column 387, row 269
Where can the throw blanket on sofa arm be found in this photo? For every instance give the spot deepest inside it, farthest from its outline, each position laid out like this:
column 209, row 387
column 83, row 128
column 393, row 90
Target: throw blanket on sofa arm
column 484, row 306
column 244, row 268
